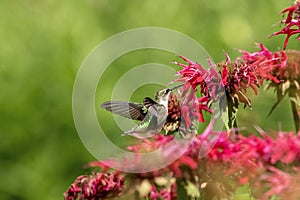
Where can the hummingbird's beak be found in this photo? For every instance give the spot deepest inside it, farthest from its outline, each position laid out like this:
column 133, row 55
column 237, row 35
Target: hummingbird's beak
column 178, row 86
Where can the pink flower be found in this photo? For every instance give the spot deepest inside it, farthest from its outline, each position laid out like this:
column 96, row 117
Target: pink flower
column 174, row 115
column 184, row 110
column 96, row 186
column 227, row 162
column 163, row 192
column 193, row 75
column 235, row 76
column 266, row 65
column 282, row 70
column 282, row 184
column 291, row 23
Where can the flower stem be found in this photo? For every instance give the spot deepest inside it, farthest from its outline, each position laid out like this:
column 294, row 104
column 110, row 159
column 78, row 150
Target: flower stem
column 295, row 115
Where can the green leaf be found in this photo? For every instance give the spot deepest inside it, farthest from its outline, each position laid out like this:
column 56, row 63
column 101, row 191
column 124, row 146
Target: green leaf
column 192, row 190
column 296, row 100
column 225, row 118
column 280, row 96
column 242, row 193
column 242, row 197
column 231, row 110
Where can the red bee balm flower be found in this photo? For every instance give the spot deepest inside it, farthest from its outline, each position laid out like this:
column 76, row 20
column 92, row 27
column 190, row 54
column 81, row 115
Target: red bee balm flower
column 96, row 186
column 291, row 23
column 226, row 81
column 266, row 64
column 282, row 69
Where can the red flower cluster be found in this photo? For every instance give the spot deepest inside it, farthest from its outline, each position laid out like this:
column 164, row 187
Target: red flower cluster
column 227, row 81
column 216, row 160
column 174, row 115
column 266, row 65
column 284, row 185
column 96, row 186
column 215, row 163
column 230, row 79
column 237, row 75
column 291, row 23
column 182, row 111
column 166, row 193
column 233, row 76
column 282, row 69
column 232, row 162
column 195, row 75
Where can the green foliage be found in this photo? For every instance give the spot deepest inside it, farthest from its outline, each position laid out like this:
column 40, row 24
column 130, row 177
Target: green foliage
column 192, row 190
column 42, row 46
column 242, row 193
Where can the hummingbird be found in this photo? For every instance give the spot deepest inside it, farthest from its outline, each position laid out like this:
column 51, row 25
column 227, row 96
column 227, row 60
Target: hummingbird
column 151, row 113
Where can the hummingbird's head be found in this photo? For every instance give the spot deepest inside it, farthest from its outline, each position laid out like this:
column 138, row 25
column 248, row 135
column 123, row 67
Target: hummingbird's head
column 162, row 96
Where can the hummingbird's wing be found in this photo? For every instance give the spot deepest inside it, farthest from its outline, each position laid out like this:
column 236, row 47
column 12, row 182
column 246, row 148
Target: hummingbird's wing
column 148, row 102
column 133, row 111
column 151, row 124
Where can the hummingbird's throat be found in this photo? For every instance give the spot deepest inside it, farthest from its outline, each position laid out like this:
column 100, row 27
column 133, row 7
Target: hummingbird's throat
column 164, row 102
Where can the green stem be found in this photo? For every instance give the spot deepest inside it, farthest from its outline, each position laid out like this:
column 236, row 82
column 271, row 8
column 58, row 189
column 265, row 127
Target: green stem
column 295, row 115
column 233, row 104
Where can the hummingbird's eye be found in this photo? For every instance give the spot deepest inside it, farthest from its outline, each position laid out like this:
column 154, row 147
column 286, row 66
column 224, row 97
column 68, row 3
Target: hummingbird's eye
column 167, row 91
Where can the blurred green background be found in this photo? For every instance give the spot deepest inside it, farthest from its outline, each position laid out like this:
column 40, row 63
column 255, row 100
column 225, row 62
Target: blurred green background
column 43, row 44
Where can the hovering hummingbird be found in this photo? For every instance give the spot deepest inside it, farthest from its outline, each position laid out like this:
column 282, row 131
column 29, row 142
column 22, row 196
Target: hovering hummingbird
column 151, row 113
